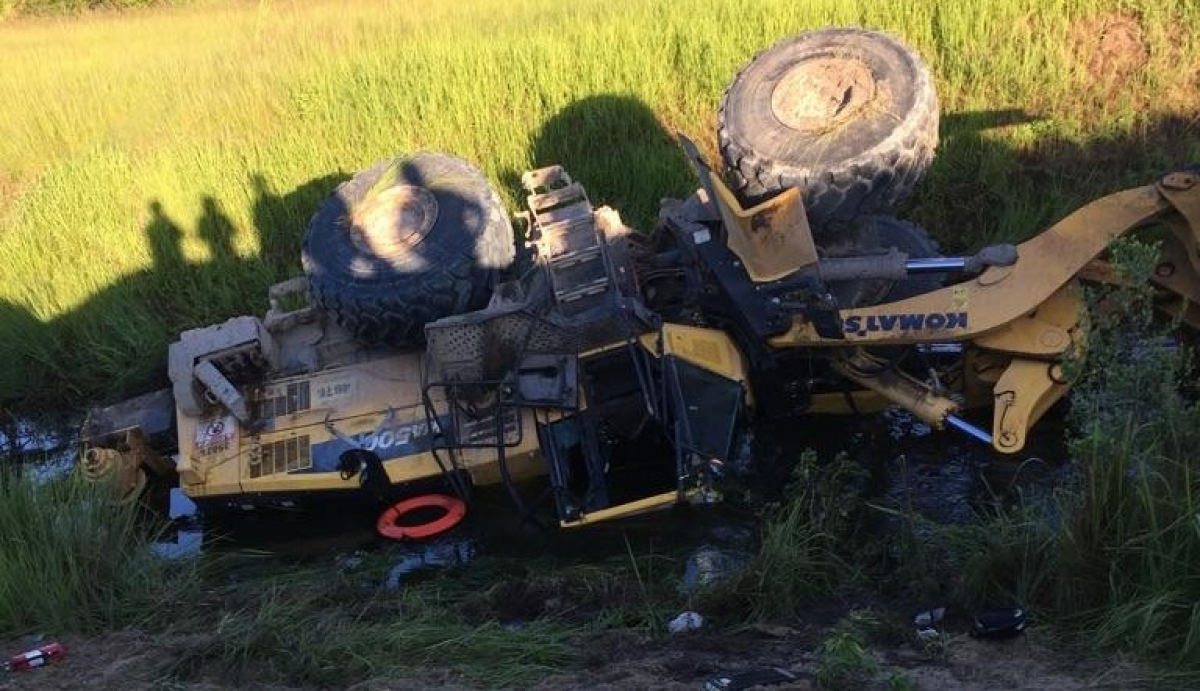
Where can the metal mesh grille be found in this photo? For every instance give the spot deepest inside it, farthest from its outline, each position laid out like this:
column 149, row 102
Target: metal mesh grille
column 283, row 456
column 488, row 347
column 293, row 399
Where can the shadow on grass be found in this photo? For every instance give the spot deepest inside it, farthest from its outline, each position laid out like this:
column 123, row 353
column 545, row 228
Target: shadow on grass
column 115, row 344
column 983, row 189
column 980, row 189
column 616, row 147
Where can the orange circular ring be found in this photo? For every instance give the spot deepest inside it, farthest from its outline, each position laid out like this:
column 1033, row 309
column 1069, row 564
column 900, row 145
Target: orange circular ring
column 455, row 510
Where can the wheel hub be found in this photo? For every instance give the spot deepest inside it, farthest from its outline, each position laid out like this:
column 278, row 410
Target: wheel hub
column 396, row 218
column 108, row 465
column 822, row 94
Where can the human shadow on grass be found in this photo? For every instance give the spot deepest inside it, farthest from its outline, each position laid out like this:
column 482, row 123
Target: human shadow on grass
column 98, row 352
column 978, row 187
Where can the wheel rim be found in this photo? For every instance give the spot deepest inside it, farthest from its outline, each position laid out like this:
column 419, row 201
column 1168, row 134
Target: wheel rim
column 396, row 218
column 823, row 94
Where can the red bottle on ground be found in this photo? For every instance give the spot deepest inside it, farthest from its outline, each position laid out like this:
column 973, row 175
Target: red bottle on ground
column 37, row 657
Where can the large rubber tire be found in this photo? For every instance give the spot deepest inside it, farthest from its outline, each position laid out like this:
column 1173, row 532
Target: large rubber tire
column 405, row 242
column 848, row 115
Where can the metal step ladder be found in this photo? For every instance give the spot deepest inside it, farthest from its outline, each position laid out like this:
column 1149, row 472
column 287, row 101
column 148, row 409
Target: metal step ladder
column 568, row 239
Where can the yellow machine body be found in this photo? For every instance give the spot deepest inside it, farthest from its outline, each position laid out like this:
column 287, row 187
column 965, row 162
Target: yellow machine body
column 266, row 408
column 1016, row 322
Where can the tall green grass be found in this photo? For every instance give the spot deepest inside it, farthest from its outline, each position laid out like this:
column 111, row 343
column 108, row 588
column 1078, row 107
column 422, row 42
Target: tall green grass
column 126, row 140
column 15, row 8
column 1115, row 554
column 1128, row 553
column 495, row 622
column 1110, row 552
column 805, row 546
column 315, row 625
column 73, row 561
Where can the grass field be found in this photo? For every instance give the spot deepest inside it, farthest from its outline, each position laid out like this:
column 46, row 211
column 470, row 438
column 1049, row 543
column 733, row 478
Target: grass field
column 157, row 167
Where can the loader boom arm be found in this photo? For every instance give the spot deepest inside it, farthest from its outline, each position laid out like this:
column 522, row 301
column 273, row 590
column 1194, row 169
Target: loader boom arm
column 1001, row 295
column 1018, row 316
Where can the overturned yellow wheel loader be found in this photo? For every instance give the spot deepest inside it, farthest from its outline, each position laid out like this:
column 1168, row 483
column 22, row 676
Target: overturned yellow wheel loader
column 426, row 351
column 562, row 367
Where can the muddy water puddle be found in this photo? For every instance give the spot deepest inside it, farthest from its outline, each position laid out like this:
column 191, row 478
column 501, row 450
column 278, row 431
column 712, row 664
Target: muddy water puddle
column 710, row 542
column 46, row 450
column 948, row 478
column 184, row 534
column 943, row 477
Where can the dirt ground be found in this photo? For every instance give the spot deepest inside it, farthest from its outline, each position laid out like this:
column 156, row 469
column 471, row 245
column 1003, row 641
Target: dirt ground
column 135, row 661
